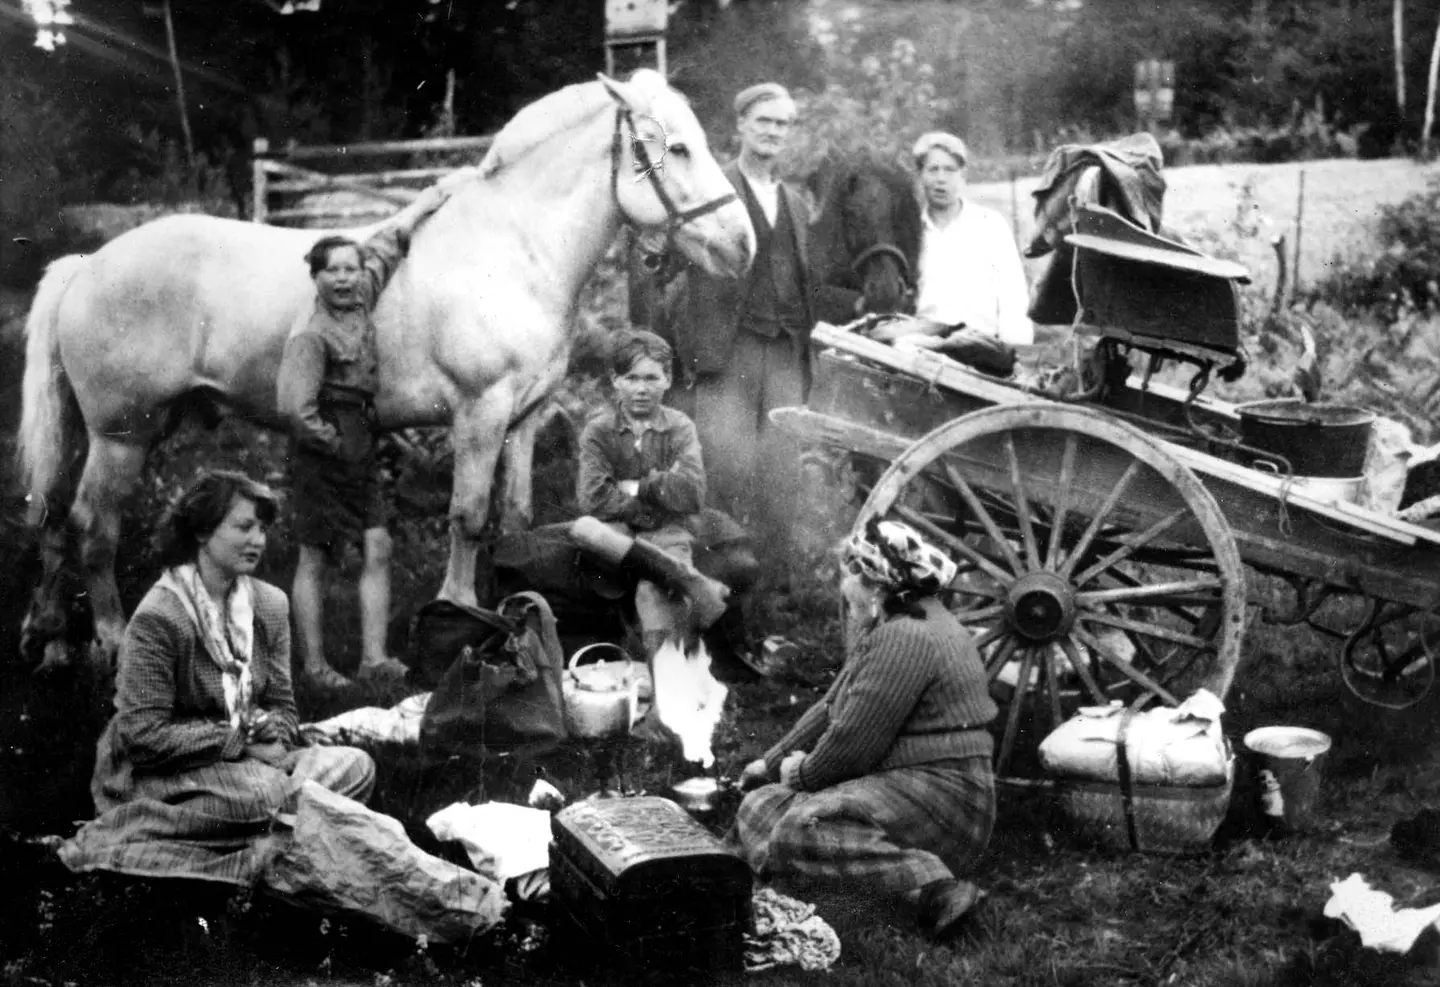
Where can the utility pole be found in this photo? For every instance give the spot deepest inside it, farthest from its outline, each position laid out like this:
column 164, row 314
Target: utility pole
column 163, row 11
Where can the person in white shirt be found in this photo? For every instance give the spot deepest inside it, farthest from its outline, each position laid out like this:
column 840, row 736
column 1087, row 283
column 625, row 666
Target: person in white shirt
column 970, row 271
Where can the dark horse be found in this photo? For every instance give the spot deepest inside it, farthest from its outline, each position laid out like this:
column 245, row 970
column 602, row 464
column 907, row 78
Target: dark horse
column 864, row 246
column 864, row 237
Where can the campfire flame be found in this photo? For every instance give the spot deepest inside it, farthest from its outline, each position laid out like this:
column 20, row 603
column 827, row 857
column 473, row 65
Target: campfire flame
column 688, row 699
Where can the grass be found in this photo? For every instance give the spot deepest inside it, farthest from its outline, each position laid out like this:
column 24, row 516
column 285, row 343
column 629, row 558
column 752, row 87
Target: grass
column 1248, row 912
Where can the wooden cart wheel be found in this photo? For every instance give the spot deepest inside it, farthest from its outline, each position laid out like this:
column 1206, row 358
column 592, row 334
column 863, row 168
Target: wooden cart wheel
column 1093, row 565
column 1389, row 658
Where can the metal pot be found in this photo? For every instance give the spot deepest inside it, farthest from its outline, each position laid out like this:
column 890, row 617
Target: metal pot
column 697, row 796
column 1317, row 439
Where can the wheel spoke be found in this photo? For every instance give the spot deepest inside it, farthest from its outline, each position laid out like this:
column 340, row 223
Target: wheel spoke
column 1156, row 631
column 1173, row 604
column 1000, row 657
column 1012, row 718
column 1062, row 502
column 976, row 616
column 957, row 544
column 1082, row 669
column 962, row 486
column 1123, row 667
column 1136, row 594
column 1022, row 504
column 1049, row 658
column 1129, row 548
column 984, row 640
column 1083, row 545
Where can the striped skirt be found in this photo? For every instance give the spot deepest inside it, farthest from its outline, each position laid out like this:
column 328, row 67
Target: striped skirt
column 209, row 823
column 895, row 831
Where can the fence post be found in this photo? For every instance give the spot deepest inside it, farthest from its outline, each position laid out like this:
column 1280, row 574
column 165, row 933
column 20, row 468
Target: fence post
column 258, row 195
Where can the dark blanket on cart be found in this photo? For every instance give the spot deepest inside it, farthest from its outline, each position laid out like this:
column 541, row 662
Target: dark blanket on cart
column 1130, row 183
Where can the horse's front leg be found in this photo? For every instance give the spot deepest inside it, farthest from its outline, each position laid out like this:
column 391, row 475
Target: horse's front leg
column 477, row 435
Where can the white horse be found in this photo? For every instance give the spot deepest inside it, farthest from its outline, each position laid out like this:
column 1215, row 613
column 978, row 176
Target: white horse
column 474, row 329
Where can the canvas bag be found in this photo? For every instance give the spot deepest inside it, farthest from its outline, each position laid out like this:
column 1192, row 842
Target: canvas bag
column 502, row 694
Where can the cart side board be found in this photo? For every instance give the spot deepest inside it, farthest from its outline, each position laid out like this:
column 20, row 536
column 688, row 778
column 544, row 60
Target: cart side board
column 1279, row 527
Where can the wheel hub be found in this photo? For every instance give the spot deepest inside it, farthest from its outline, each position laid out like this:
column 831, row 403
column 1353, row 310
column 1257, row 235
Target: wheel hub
column 1040, row 606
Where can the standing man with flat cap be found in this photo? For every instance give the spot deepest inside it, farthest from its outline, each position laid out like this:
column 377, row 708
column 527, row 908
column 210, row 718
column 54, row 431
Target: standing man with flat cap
column 743, row 346
column 970, row 270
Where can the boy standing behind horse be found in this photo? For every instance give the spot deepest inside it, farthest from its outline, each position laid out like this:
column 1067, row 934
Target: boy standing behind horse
column 328, row 378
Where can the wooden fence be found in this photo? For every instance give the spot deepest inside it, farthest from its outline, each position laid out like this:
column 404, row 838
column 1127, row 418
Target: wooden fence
column 327, row 185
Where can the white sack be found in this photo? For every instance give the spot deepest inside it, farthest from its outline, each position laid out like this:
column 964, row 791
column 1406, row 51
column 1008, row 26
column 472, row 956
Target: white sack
column 1182, row 746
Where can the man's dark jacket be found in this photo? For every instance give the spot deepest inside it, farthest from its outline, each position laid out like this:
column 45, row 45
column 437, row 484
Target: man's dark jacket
column 700, row 314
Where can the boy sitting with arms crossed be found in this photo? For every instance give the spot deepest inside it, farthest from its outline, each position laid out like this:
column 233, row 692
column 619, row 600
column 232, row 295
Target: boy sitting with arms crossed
column 641, row 471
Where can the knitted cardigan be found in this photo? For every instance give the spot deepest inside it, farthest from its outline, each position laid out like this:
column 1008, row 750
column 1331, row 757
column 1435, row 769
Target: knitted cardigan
column 913, row 691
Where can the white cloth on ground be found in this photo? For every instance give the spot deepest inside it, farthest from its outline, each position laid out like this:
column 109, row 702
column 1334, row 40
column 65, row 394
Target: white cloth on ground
column 1373, row 914
column 502, row 840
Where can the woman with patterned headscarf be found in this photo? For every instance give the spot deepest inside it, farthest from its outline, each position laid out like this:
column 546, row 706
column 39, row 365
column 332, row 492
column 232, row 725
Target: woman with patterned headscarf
column 886, row 782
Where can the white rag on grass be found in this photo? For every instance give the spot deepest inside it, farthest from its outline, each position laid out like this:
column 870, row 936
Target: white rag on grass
column 1373, row 914
column 502, row 840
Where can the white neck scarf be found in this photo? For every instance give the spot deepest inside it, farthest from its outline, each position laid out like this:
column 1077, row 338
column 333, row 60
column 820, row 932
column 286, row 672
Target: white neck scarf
column 229, row 638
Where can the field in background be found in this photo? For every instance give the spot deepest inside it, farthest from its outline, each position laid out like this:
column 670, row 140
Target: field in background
column 1233, row 210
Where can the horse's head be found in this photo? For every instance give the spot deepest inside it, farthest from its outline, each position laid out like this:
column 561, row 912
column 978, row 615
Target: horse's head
column 871, row 214
column 667, row 181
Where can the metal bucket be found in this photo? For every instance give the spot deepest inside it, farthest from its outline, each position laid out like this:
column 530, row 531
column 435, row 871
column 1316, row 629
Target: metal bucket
column 1288, row 762
column 1328, row 440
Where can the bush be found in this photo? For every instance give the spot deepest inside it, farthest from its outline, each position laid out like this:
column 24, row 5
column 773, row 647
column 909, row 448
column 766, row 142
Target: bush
column 1402, row 278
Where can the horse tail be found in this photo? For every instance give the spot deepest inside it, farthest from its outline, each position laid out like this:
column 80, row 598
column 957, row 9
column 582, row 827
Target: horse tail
column 47, row 396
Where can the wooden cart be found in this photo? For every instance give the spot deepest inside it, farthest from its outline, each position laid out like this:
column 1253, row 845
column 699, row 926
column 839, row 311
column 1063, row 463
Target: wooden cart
column 1105, row 541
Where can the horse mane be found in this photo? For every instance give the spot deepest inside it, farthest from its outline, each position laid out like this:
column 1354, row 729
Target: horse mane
column 564, row 110
column 536, row 123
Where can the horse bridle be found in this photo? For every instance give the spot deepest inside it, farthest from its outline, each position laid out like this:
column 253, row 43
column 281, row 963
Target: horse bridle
column 864, row 257
column 676, row 217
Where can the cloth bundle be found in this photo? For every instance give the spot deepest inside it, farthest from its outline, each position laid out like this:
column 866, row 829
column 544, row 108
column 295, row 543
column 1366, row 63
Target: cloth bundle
column 370, row 726
column 1181, row 746
column 788, row 932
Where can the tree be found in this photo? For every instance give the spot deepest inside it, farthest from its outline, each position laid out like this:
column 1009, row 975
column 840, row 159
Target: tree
column 1397, row 21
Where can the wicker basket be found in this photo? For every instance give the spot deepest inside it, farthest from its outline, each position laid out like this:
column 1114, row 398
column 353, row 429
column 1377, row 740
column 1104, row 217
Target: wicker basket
column 1158, row 818
column 1128, row 815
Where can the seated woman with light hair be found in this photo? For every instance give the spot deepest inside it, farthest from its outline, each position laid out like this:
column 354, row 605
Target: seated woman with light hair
column 204, row 749
column 886, row 782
